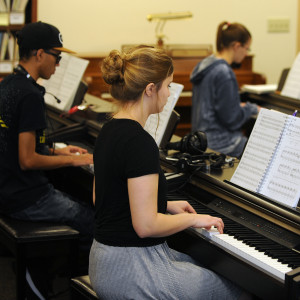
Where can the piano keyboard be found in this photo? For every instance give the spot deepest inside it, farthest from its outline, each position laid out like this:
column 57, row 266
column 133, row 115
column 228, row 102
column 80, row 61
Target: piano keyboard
column 247, row 253
column 255, row 249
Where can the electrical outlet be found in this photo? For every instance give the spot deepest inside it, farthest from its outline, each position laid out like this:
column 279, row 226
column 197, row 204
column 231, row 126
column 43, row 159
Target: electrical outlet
column 278, row 25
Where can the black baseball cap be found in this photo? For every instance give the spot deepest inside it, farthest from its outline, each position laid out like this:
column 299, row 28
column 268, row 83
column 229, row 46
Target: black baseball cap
column 40, row 35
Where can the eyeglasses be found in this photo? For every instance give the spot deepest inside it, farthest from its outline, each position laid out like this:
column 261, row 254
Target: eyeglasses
column 57, row 56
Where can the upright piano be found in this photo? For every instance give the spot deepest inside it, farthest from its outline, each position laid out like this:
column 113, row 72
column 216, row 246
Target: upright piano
column 260, row 249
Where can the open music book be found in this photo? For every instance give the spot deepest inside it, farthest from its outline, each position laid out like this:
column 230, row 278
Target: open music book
column 64, row 83
column 157, row 123
column 270, row 164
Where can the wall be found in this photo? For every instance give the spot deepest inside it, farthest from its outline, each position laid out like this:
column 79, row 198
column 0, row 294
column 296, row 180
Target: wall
column 97, row 26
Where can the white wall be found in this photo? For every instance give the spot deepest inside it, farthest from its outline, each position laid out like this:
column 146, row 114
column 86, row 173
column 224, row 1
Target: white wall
column 97, row 26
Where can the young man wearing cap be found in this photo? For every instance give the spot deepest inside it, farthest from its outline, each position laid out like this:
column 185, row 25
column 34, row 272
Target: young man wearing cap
column 25, row 192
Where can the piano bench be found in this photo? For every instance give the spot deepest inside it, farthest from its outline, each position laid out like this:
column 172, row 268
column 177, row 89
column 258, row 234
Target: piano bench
column 28, row 240
column 81, row 289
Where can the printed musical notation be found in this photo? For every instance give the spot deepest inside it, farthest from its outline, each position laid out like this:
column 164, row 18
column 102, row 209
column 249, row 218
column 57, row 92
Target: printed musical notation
column 260, row 147
column 271, row 161
column 65, row 82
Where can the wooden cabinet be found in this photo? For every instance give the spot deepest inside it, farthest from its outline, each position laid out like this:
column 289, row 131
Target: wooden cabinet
column 10, row 22
column 93, row 76
column 183, row 67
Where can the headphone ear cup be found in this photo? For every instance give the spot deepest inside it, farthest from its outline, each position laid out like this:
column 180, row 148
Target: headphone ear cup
column 203, row 140
column 197, row 142
column 193, row 143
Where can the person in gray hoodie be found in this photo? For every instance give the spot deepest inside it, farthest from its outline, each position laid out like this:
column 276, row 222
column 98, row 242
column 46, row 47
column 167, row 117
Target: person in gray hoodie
column 216, row 106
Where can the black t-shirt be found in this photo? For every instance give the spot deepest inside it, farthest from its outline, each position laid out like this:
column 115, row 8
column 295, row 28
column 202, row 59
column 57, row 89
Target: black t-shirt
column 22, row 109
column 123, row 150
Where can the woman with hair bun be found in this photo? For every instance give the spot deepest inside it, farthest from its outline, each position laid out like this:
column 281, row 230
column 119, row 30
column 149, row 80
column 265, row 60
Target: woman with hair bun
column 216, row 106
column 130, row 258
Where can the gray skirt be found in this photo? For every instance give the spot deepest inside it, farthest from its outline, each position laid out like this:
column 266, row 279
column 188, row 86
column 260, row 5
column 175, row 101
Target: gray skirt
column 156, row 272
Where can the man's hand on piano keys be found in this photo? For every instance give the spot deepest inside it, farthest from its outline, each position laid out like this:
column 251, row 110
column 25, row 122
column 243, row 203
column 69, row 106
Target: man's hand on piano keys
column 82, row 160
column 79, row 156
column 70, row 150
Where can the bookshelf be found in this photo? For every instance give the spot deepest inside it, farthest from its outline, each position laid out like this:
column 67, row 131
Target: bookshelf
column 12, row 18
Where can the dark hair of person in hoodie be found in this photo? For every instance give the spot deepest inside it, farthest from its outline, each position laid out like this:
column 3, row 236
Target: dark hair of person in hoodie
column 229, row 33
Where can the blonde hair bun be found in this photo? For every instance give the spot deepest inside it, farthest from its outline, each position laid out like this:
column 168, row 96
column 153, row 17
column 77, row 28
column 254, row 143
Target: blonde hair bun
column 112, row 68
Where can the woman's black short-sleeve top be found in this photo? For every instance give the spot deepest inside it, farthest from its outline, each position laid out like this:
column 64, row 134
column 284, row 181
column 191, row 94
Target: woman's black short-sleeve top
column 123, row 150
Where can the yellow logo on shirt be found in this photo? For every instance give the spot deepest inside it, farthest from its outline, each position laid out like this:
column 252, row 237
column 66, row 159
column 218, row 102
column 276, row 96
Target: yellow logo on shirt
column 43, row 138
column 2, row 124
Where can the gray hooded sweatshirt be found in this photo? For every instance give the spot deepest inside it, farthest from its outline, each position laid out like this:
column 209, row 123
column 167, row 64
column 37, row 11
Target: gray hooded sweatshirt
column 216, row 106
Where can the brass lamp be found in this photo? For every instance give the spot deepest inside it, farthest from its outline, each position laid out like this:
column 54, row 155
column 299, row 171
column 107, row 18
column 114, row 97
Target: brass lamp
column 162, row 18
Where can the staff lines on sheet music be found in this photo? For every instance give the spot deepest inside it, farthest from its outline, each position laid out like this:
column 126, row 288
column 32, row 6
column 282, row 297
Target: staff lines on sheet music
column 295, row 173
column 273, row 146
column 293, row 134
column 271, row 125
column 290, row 155
column 264, row 137
column 250, row 183
column 288, row 172
column 284, row 169
column 282, row 189
column 249, row 170
column 252, row 159
column 261, row 149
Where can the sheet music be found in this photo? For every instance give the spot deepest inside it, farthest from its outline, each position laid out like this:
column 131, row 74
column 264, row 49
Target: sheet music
column 65, row 81
column 259, row 88
column 157, row 123
column 282, row 182
column 270, row 164
column 260, row 147
column 291, row 87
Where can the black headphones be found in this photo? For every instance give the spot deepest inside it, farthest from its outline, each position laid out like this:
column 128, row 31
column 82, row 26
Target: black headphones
column 193, row 143
column 185, row 162
column 192, row 155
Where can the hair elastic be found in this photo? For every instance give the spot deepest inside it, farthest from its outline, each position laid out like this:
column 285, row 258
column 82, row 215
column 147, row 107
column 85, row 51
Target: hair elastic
column 226, row 26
